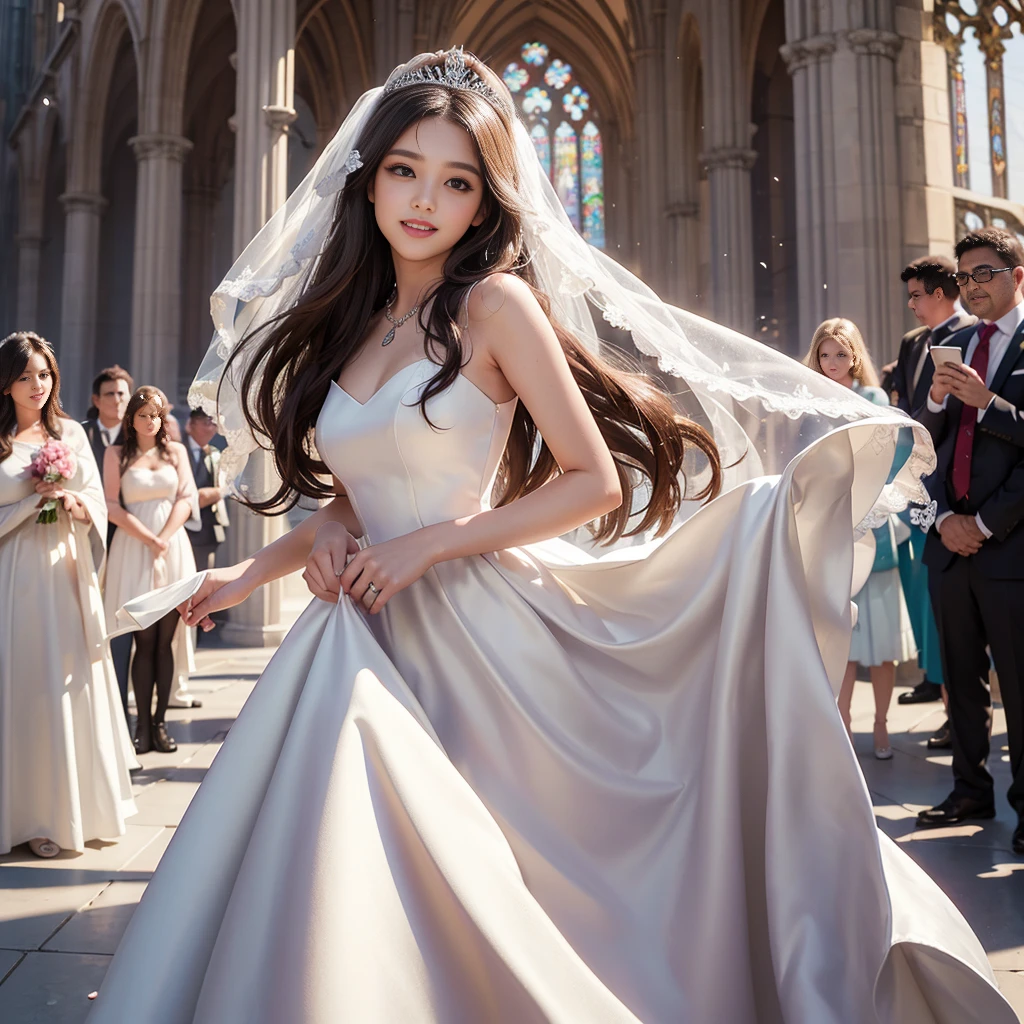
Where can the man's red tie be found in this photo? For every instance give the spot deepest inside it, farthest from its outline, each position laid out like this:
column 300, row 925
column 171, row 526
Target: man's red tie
column 969, row 419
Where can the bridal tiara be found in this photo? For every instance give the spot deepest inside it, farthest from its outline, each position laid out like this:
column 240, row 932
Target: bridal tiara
column 456, row 75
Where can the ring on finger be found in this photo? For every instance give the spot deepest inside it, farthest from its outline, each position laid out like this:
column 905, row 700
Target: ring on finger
column 372, row 589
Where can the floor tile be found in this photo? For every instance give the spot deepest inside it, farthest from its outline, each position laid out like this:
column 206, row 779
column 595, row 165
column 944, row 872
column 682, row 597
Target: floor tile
column 51, row 988
column 97, row 928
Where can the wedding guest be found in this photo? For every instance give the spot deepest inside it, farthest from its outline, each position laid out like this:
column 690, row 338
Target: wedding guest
column 209, row 534
column 882, row 635
column 110, row 393
column 150, row 495
column 975, row 551
column 932, row 295
column 65, row 752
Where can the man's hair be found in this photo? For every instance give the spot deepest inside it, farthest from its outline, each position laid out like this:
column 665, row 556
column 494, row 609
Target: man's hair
column 111, row 374
column 199, row 414
column 1005, row 245
column 933, row 272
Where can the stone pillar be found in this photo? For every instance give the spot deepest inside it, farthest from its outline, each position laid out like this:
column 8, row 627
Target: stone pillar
column 264, row 107
column 810, row 64
column 83, row 211
column 29, row 244
column 394, row 23
column 200, row 203
column 925, row 140
column 728, row 159
column 849, row 233
column 156, row 274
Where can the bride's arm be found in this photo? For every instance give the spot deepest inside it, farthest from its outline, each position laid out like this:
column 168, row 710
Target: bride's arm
column 224, row 588
column 512, row 342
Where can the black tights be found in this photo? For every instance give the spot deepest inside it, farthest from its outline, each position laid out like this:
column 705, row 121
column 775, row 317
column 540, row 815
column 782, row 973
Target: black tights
column 153, row 666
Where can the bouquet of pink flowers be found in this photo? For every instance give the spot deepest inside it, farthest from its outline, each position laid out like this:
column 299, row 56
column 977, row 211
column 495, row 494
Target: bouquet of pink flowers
column 53, row 463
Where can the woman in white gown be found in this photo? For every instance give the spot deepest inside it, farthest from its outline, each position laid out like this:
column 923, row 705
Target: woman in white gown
column 64, row 747
column 151, row 494
column 500, row 780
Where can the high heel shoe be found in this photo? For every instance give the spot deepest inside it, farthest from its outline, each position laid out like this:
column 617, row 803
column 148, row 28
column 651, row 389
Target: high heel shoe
column 161, row 740
column 883, row 752
column 143, row 739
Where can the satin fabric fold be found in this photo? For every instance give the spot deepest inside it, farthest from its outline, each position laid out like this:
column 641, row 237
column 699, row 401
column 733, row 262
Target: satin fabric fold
column 547, row 787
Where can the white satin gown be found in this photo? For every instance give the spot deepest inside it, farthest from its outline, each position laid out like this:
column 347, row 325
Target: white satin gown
column 542, row 788
column 65, row 752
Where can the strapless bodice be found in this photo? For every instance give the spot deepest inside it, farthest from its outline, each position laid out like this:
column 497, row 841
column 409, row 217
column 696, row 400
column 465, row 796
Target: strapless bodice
column 139, row 484
column 401, row 473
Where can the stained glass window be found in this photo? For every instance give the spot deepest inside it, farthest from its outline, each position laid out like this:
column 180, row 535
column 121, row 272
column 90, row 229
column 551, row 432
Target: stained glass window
column 565, row 131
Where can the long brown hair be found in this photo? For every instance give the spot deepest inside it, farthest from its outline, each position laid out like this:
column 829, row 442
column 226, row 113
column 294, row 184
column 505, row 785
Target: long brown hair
column 146, row 395
column 296, row 355
column 15, row 351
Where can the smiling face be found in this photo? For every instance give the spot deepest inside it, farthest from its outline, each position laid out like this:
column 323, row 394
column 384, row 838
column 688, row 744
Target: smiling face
column 995, row 298
column 31, row 390
column 836, row 361
column 428, row 190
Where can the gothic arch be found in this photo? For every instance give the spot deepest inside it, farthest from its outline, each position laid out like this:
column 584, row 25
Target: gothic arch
column 115, row 20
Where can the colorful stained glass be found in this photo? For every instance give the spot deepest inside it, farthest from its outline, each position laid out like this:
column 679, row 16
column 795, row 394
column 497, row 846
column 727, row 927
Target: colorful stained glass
column 566, row 171
column 592, row 173
column 534, row 53
column 576, row 102
column 515, row 77
column 558, row 74
column 571, row 156
column 536, row 100
column 542, row 143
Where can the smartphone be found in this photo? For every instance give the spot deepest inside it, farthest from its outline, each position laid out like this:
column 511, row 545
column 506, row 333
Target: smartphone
column 941, row 356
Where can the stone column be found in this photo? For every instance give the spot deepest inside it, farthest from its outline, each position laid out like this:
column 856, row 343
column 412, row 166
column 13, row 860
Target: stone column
column 394, row 23
column 156, row 274
column 849, row 232
column 30, row 243
column 810, row 64
column 78, row 300
column 728, row 159
column 264, row 107
column 200, row 203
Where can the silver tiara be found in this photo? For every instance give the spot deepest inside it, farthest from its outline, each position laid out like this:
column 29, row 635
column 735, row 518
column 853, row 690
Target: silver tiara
column 456, row 75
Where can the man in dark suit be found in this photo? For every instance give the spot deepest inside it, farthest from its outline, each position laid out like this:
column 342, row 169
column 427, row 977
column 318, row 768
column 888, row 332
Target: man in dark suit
column 975, row 551
column 932, row 295
column 111, row 391
column 200, row 429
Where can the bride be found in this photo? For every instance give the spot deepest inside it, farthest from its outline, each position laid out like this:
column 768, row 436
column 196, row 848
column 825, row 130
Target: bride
column 490, row 776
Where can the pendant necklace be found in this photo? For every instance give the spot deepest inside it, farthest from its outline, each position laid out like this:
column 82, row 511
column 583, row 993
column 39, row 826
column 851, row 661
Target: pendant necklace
column 390, row 336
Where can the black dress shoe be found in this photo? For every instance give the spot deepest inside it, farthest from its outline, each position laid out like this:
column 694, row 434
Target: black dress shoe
column 162, row 741
column 143, row 740
column 955, row 809
column 941, row 739
column 921, row 694
column 1018, row 838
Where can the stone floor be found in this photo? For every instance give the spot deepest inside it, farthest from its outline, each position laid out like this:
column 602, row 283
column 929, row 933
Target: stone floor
column 60, row 920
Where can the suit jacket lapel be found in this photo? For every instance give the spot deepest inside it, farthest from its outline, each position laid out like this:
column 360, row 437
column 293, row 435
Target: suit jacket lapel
column 1009, row 361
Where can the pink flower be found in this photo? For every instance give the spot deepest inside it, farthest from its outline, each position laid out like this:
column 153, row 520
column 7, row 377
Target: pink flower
column 53, row 463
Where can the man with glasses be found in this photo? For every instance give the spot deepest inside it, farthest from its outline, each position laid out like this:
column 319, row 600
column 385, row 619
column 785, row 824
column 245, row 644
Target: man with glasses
column 975, row 550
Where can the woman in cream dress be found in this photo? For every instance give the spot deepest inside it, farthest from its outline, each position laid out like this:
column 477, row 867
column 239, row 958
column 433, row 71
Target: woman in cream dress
column 64, row 746
column 150, row 495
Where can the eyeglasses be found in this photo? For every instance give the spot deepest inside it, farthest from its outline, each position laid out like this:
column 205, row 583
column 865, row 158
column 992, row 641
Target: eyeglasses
column 980, row 275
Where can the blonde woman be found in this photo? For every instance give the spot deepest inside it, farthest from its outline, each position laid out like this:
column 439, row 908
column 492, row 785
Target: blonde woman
column 882, row 635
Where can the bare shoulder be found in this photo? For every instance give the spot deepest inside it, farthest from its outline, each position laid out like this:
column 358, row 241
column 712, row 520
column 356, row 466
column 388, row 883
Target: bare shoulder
column 72, row 431
column 177, row 452
column 499, row 296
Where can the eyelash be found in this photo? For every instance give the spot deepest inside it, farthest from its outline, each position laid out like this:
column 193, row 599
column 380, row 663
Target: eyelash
column 45, row 373
column 394, row 168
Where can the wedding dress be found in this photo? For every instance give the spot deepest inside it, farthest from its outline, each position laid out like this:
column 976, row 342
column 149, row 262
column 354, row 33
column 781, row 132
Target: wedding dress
column 64, row 745
column 541, row 787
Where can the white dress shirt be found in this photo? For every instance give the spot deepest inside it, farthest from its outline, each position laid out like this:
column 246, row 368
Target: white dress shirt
column 108, row 433
column 1006, row 327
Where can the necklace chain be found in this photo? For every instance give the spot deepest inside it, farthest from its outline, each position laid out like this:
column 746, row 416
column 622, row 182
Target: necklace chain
column 390, row 336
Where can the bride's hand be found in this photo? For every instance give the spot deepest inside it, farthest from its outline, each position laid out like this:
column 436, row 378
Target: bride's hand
column 380, row 571
column 222, row 588
column 331, row 548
